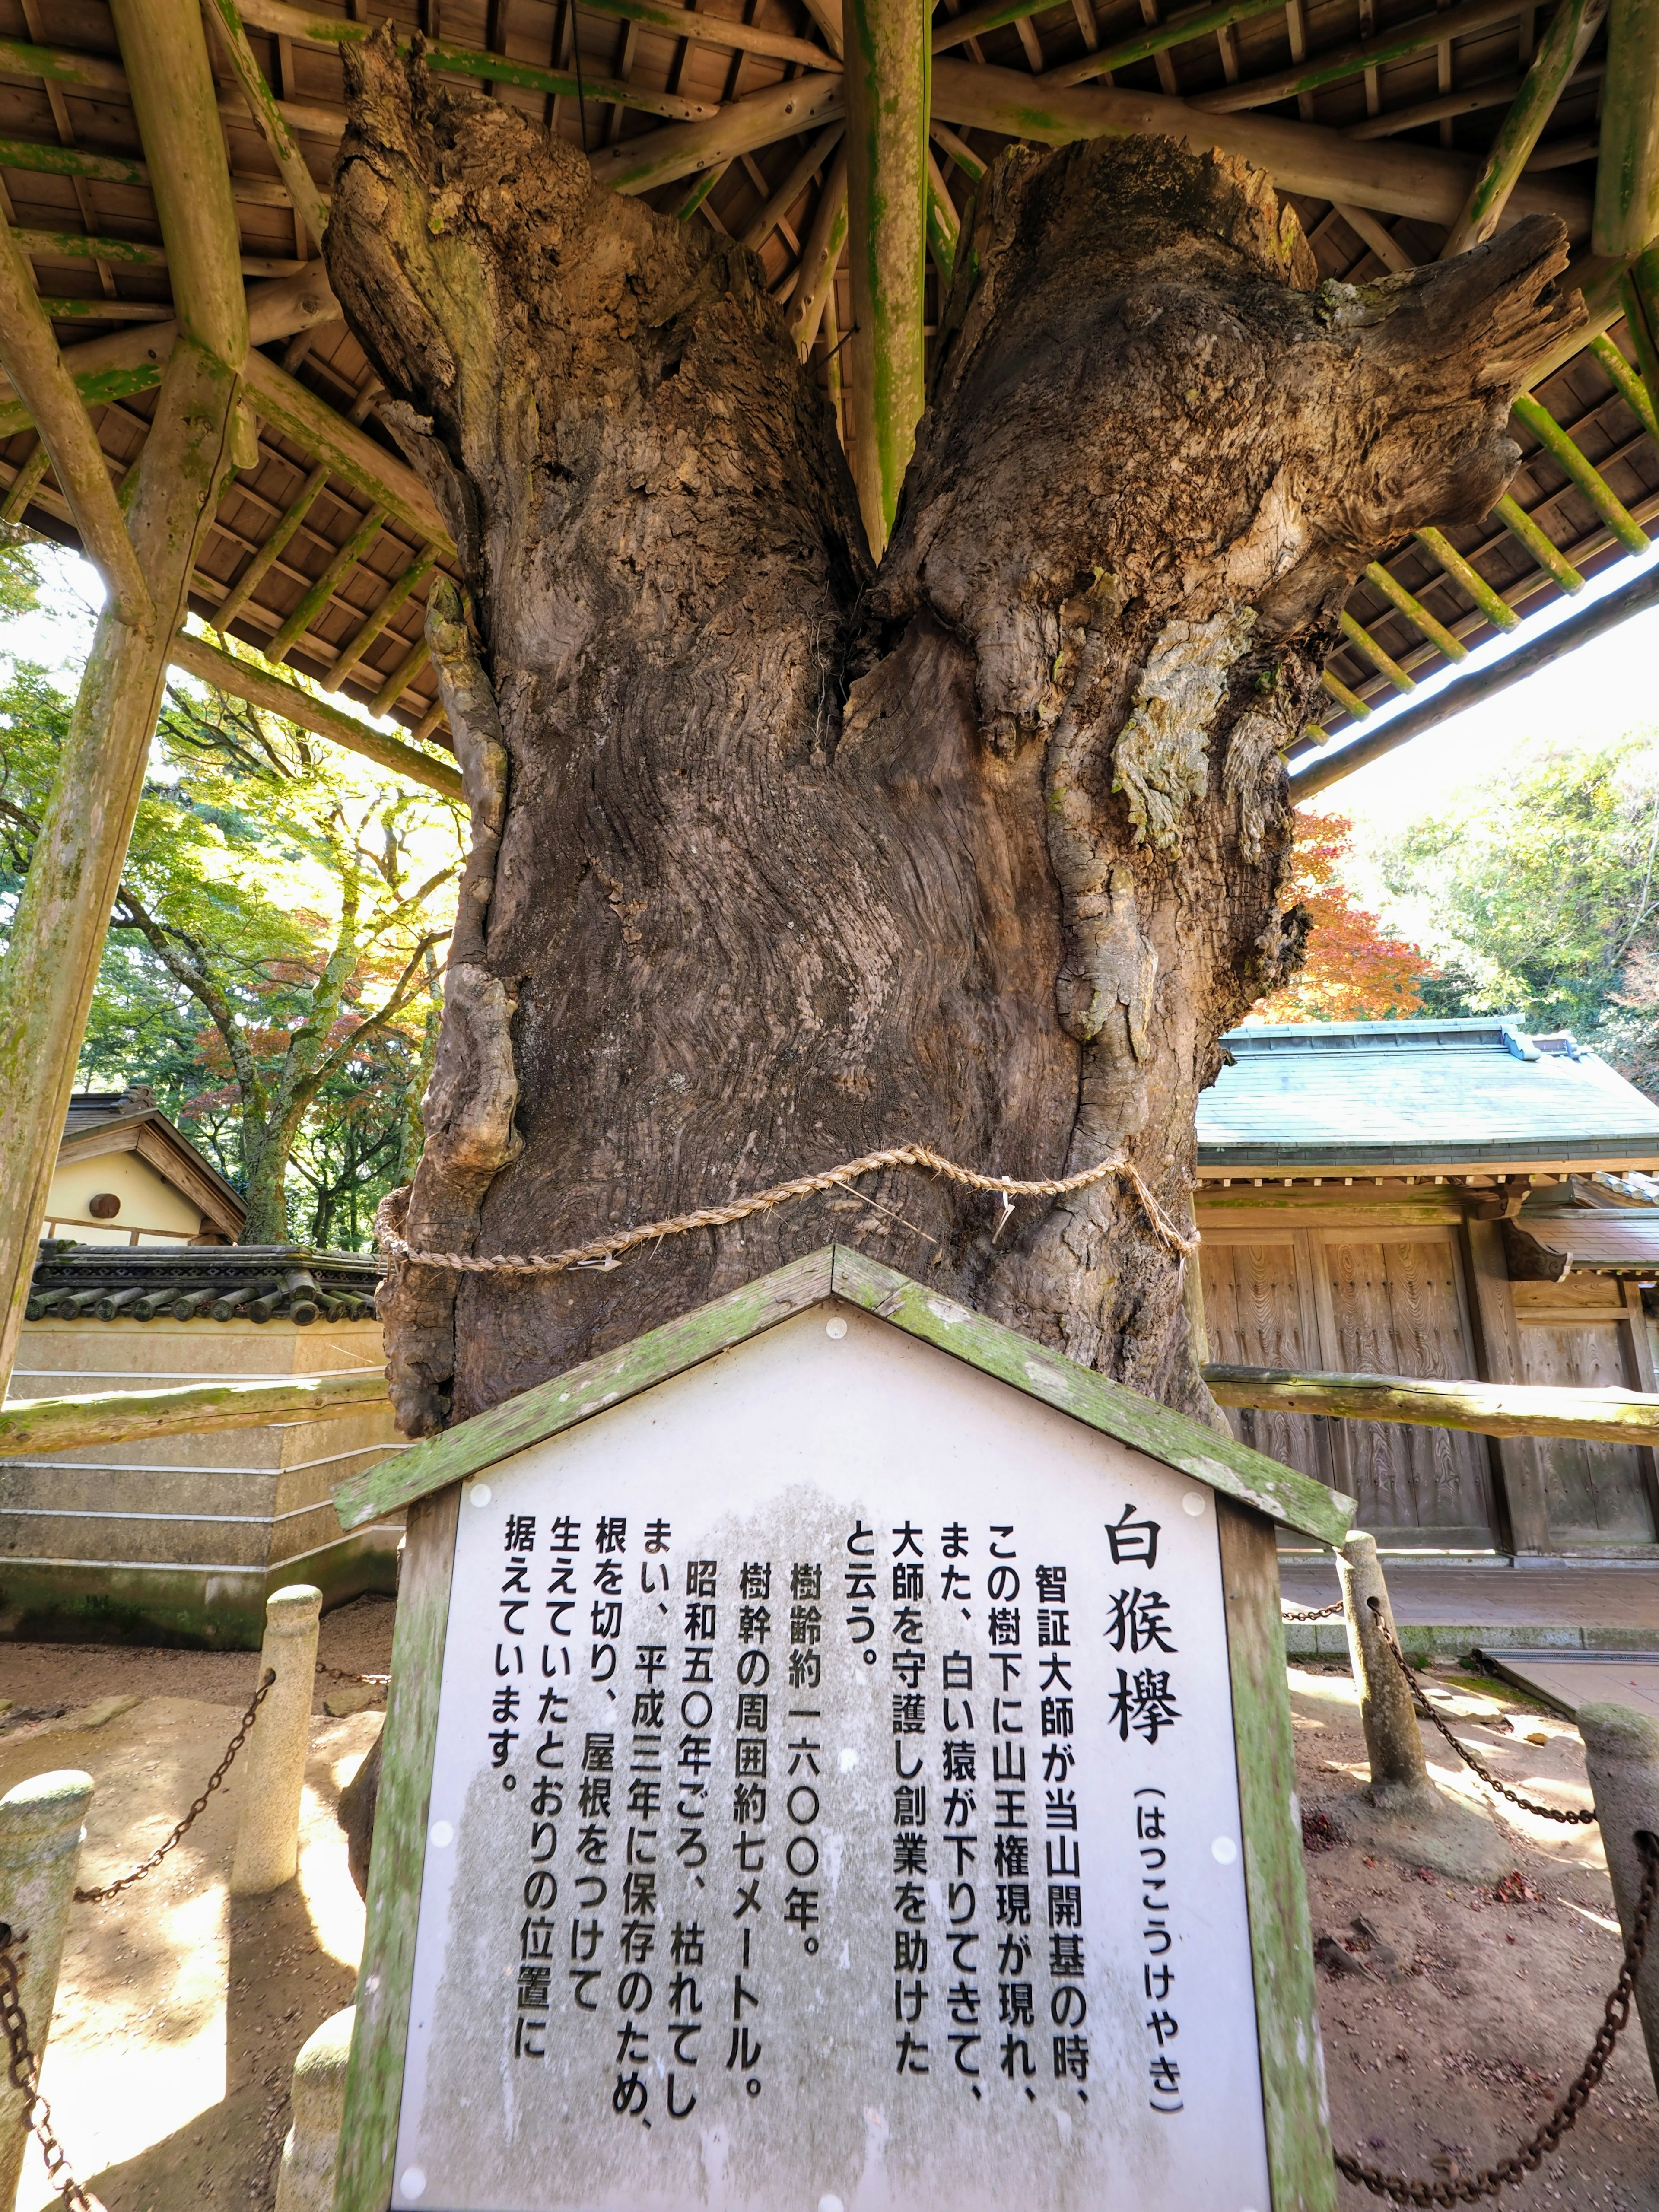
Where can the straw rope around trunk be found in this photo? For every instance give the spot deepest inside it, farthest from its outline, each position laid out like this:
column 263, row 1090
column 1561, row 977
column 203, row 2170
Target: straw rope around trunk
column 602, row 1252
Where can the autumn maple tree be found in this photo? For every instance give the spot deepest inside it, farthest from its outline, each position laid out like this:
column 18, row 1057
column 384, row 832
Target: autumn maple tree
column 1357, row 969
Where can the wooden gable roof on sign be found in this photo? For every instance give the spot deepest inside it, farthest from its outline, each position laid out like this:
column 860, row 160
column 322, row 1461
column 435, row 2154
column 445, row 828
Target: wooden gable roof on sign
column 839, row 1272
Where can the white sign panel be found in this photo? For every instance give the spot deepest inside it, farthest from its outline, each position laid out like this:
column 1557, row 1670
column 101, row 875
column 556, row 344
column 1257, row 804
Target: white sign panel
column 835, row 1809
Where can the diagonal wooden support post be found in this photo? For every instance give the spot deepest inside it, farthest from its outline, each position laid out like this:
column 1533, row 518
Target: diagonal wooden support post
column 58, row 935
column 888, row 65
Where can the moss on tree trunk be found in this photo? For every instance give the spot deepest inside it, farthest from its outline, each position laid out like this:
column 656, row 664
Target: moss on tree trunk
column 781, row 860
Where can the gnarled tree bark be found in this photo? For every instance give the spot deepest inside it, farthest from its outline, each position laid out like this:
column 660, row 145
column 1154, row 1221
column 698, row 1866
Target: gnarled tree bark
column 985, row 849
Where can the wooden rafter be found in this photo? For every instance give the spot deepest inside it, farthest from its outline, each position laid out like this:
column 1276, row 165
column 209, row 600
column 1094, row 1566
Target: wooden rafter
column 1337, row 105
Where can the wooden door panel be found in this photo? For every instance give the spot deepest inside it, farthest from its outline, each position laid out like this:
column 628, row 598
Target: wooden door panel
column 1253, row 1313
column 1396, row 1311
column 1590, row 1491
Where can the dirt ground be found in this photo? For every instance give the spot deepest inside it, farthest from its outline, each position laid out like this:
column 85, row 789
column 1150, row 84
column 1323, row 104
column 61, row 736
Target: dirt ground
column 1459, row 2050
column 180, row 2013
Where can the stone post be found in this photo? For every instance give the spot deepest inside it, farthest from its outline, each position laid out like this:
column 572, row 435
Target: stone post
column 1393, row 1740
column 274, row 1762
column 40, row 1829
column 1621, row 1750
column 312, row 2149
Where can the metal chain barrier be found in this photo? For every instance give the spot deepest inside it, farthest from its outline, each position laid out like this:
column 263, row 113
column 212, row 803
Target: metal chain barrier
column 23, row 2073
column 342, row 1674
column 1400, row 2188
column 1426, row 1711
column 603, row 1250
column 114, row 1888
column 1319, row 1612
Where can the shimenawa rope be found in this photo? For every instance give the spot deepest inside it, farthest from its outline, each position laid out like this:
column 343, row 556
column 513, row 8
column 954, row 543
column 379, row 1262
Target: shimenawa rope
column 602, row 1251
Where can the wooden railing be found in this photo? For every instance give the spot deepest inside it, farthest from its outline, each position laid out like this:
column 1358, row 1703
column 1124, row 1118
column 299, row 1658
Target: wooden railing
column 1493, row 1409
column 33, row 1425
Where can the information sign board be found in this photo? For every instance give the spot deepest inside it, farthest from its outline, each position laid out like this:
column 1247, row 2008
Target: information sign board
column 833, row 1803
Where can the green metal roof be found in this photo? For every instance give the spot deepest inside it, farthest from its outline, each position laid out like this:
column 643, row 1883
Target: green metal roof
column 1405, row 1094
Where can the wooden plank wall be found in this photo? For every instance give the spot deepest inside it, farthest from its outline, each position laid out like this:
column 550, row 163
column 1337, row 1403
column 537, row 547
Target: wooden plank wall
column 1355, row 1281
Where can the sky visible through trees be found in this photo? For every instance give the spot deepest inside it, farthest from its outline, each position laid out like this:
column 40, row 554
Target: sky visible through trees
column 274, row 966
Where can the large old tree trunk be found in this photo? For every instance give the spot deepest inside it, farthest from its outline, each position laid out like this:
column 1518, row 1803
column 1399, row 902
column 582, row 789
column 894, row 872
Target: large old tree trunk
column 781, row 860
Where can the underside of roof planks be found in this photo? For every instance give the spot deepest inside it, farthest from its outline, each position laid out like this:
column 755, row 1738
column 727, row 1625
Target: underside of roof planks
column 1379, row 122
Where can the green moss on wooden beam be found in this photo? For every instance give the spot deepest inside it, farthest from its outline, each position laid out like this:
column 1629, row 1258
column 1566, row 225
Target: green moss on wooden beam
column 1627, row 169
column 267, row 114
column 944, row 226
column 1337, row 63
column 958, row 149
column 296, row 624
column 450, row 60
column 267, row 556
column 36, row 367
column 759, row 118
column 355, row 647
column 887, row 61
column 129, row 361
column 1489, row 1409
column 294, row 22
column 1630, row 385
column 1362, row 641
column 277, row 694
column 1497, row 611
column 1561, row 49
column 1542, row 547
column 1415, row 612
column 1419, row 181
column 349, row 453
column 1587, row 477
column 75, row 245
column 1339, row 691
column 54, row 65
column 33, row 1426
column 30, row 155
column 1638, row 300
column 400, row 679
column 1157, row 39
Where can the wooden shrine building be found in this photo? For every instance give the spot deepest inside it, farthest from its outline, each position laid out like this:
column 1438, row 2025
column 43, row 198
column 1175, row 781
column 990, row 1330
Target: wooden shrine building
column 1452, row 1198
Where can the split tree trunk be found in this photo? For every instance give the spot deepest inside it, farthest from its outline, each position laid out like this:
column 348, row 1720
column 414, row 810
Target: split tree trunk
column 780, row 861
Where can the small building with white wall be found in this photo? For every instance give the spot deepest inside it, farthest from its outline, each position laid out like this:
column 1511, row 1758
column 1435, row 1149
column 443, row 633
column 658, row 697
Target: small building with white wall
column 140, row 1285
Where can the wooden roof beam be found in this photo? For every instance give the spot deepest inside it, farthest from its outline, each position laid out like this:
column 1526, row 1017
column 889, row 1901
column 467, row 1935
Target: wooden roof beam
column 1627, row 173
column 1337, row 63
column 114, row 367
column 284, row 20
column 163, row 50
column 1143, row 46
column 1467, row 690
column 276, row 695
column 349, row 453
column 1420, row 181
column 35, row 366
column 759, row 118
column 887, row 56
column 287, row 20
column 308, row 202
column 1563, row 47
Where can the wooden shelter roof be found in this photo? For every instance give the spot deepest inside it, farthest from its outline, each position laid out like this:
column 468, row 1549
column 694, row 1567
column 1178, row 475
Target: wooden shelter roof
column 1376, row 117
column 1329, row 1097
